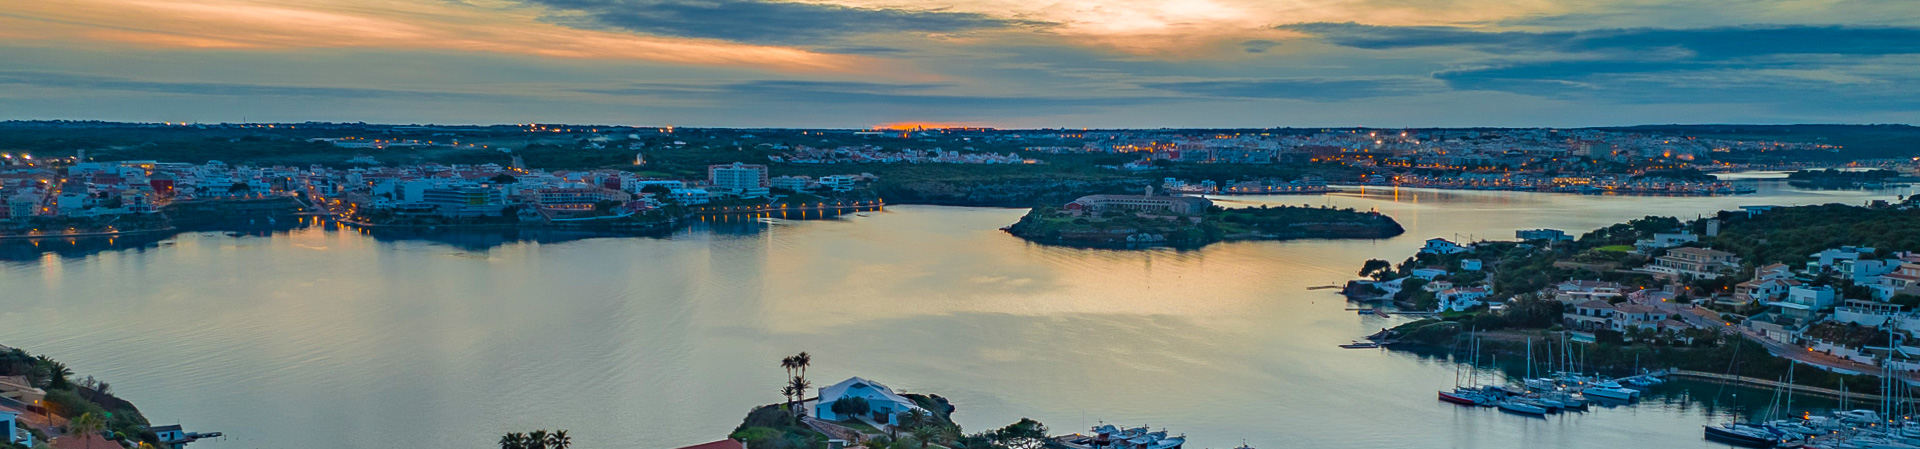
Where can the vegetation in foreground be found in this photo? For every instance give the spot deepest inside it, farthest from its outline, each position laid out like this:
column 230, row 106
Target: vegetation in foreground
column 87, row 404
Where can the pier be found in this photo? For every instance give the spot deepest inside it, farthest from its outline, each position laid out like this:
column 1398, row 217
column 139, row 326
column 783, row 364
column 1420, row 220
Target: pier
column 1797, row 388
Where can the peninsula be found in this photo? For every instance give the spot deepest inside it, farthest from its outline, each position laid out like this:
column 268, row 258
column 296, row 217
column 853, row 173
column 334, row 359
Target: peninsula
column 1142, row 221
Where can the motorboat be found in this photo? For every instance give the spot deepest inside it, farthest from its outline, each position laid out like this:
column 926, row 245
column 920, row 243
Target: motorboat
column 1522, row 407
column 1645, row 381
column 1605, row 392
column 1858, row 416
column 1744, row 435
column 1793, row 427
column 1361, row 345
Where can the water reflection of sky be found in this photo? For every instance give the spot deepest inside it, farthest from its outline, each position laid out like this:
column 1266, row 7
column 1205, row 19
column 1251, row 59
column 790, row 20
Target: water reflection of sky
column 327, row 337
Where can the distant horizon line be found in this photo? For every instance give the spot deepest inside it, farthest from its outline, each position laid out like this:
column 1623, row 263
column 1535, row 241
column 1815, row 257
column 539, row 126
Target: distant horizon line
column 933, row 127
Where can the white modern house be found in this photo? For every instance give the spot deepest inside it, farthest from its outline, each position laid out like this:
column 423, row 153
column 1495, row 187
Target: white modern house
column 883, row 405
column 1442, row 246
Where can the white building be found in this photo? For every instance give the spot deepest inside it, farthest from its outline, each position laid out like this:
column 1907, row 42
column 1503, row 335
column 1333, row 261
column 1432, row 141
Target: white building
column 1461, row 299
column 883, row 405
column 839, row 183
column 1665, row 241
column 690, row 197
column 739, row 179
column 1442, row 246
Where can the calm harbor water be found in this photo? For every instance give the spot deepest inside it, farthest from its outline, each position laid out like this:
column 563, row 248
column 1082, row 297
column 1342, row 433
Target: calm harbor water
column 321, row 337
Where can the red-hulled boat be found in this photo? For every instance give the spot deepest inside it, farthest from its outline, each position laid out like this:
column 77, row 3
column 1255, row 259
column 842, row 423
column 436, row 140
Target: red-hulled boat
column 1459, row 397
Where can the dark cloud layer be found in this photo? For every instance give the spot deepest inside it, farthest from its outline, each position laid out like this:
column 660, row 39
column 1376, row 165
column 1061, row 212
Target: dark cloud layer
column 1743, row 64
column 1322, row 90
column 766, row 22
column 88, row 82
column 844, row 93
column 1701, row 43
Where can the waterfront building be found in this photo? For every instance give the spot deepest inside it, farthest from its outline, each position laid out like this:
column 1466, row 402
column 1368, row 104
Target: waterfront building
column 794, row 183
column 739, row 179
column 1459, row 299
column 577, row 198
column 1551, row 235
column 883, row 405
column 1589, row 316
column 1155, row 205
column 690, row 197
column 838, row 183
column 464, row 201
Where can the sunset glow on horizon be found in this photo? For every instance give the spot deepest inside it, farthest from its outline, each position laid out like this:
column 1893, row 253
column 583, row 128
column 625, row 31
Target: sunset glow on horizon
column 1074, row 63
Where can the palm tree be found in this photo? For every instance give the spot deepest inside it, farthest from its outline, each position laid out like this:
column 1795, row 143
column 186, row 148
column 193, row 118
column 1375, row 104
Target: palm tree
column 537, row 439
column 559, row 440
column 790, row 363
column 802, row 361
column 515, row 440
column 86, row 426
column 789, row 392
column 799, row 386
column 922, row 434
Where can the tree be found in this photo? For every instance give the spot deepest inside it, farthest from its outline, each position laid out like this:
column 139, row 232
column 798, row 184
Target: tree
column 1026, row 434
column 799, row 386
column 1375, row 268
column 513, row 440
column 802, row 361
column 559, row 440
column 56, row 373
column 792, row 365
column 923, row 434
column 853, row 406
column 537, row 439
column 86, row 426
column 239, row 187
column 503, row 178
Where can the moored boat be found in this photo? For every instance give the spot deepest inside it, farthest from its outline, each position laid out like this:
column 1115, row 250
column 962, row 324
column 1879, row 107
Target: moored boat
column 1614, row 393
column 1744, row 435
column 1521, row 407
column 1462, row 397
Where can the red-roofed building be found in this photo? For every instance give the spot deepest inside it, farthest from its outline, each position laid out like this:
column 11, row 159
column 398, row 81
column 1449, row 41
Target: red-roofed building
column 89, row 441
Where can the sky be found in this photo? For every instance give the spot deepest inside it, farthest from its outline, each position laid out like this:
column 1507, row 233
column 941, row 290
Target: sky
column 1001, row 63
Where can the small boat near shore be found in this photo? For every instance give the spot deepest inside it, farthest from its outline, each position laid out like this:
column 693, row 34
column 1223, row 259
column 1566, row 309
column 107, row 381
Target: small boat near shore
column 1361, row 345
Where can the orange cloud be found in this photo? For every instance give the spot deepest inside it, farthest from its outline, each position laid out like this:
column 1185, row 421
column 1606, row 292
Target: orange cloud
column 380, row 24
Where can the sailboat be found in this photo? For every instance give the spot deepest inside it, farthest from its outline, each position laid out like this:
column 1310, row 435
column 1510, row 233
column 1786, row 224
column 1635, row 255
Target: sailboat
column 1735, row 433
column 1464, row 395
